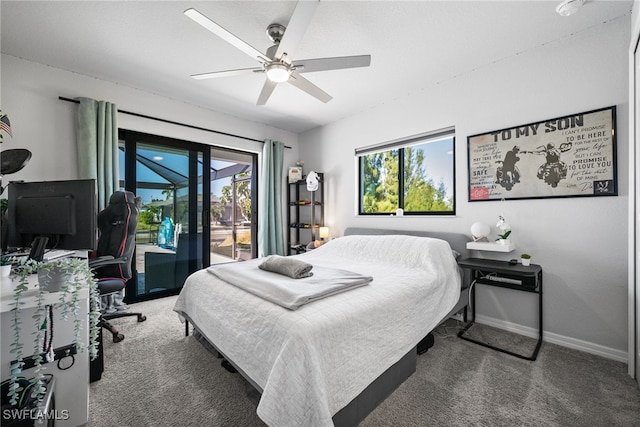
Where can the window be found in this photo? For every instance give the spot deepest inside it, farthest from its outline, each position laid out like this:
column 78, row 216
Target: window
column 416, row 174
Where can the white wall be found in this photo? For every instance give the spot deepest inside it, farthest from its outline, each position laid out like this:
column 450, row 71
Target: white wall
column 634, row 132
column 581, row 243
column 45, row 125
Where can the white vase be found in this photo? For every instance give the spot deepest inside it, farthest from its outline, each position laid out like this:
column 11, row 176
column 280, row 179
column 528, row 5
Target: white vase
column 526, row 261
column 6, row 282
column 5, row 270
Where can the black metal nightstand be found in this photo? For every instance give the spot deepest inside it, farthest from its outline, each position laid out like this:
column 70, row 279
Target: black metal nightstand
column 504, row 275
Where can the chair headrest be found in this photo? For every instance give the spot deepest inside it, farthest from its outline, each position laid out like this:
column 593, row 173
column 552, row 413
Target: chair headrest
column 122, row 197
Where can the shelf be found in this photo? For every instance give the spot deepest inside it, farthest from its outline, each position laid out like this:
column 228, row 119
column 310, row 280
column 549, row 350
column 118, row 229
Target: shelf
column 492, row 246
column 305, row 212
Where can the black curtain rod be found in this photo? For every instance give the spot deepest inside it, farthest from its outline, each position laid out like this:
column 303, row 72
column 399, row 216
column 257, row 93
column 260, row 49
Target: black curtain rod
column 75, row 101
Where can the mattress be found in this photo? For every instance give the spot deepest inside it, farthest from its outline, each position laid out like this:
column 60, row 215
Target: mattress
column 311, row 362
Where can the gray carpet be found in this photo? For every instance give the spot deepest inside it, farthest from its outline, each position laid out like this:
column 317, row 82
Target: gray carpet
column 159, row 377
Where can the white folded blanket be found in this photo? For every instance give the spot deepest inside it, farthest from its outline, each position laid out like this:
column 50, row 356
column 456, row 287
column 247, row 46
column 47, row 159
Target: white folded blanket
column 283, row 290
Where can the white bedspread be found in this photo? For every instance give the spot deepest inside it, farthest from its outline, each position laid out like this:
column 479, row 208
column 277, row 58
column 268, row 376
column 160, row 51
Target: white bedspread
column 283, row 290
column 312, row 362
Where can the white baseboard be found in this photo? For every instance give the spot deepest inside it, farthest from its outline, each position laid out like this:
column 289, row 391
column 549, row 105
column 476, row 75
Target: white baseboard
column 550, row 337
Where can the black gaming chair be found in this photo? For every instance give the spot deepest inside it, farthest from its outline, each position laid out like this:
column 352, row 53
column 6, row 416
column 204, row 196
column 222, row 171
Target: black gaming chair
column 116, row 243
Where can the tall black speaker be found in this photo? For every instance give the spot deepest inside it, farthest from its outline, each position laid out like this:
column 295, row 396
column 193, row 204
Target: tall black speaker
column 96, row 367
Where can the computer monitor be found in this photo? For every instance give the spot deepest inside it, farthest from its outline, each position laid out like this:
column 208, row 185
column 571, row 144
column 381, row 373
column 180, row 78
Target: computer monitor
column 65, row 212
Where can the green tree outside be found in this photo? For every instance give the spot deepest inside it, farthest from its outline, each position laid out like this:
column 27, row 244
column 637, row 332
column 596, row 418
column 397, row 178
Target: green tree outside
column 380, row 182
column 381, row 185
column 243, row 195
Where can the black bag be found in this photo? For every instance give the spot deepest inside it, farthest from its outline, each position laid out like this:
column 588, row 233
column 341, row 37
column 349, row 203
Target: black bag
column 426, row 343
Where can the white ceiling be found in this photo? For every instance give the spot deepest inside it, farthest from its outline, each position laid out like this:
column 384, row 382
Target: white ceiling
column 152, row 46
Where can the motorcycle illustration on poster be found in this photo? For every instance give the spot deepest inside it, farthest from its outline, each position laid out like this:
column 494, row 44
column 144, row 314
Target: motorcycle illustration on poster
column 567, row 156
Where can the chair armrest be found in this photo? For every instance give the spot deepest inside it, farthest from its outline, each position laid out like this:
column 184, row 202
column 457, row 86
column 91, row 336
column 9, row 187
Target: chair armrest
column 106, row 260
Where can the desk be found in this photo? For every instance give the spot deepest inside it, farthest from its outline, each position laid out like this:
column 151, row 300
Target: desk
column 531, row 281
column 71, row 385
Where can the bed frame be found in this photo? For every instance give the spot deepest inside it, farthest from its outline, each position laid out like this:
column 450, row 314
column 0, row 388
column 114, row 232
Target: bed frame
column 358, row 409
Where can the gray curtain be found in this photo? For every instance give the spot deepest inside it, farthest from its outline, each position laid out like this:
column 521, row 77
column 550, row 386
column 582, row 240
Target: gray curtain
column 270, row 232
column 97, row 146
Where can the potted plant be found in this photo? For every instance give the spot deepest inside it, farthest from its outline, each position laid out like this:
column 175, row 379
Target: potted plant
column 505, row 229
column 525, row 259
column 5, row 266
column 78, row 275
column 502, row 238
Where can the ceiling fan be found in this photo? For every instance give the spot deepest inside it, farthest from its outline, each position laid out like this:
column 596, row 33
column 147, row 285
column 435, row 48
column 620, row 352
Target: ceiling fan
column 276, row 62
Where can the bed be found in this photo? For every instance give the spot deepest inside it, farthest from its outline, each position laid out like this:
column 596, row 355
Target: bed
column 330, row 362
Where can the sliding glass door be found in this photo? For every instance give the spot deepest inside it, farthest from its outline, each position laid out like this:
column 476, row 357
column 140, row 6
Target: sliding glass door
column 196, row 208
column 233, row 200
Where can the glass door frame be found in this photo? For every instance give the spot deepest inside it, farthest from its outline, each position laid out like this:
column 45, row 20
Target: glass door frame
column 197, row 214
column 200, row 155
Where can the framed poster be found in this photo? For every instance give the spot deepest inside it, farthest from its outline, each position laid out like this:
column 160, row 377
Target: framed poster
column 567, row 156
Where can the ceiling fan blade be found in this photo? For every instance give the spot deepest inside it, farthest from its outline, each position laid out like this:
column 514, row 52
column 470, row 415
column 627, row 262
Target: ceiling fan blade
column 266, row 92
column 224, row 34
column 227, row 73
column 306, row 86
column 336, row 63
column 296, row 28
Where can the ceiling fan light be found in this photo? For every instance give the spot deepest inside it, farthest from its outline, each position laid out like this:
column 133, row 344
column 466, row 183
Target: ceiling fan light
column 569, row 7
column 278, row 73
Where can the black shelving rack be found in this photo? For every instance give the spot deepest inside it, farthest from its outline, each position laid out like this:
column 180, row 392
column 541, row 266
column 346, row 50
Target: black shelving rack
column 305, row 214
